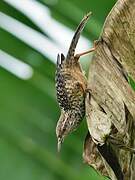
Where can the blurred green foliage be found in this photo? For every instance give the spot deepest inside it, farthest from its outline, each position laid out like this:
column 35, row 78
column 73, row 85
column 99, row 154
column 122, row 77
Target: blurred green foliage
column 131, row 82
column 28, row 108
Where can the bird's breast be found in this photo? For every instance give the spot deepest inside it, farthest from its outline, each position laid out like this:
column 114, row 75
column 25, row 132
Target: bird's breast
column 71, row 85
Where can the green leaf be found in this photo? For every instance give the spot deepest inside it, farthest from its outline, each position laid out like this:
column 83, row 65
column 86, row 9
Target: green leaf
column 131, row 82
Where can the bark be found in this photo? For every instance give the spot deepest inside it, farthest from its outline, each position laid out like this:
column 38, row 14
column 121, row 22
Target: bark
column 111, row 94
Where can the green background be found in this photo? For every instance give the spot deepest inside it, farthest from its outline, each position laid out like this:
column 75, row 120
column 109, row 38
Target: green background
column 28, row 108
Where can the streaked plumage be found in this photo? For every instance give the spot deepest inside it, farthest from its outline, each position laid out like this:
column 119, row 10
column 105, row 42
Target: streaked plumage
column 70, row 86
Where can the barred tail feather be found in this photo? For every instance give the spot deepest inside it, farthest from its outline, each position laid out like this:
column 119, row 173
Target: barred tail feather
column 76, row 36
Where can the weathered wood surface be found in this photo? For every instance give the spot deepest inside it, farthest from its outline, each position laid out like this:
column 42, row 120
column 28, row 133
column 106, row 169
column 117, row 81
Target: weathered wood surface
column 92, row 157
column 113, row 60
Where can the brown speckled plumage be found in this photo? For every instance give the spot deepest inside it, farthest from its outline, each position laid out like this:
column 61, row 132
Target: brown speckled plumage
column 70, row 87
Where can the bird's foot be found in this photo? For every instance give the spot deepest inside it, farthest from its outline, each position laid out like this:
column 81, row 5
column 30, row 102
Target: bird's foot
column 77, row 56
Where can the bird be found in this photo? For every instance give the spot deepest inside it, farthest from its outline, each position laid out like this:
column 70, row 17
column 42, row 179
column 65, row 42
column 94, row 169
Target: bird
column 71, row 85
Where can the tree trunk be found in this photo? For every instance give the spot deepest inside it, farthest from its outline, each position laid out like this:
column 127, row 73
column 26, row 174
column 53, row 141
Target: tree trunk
column 111, row 93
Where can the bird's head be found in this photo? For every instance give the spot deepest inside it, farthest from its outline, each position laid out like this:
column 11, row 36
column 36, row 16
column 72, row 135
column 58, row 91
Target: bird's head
column 64, row 126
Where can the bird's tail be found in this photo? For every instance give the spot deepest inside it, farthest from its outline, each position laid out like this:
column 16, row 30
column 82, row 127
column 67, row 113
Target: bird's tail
column 76, row 36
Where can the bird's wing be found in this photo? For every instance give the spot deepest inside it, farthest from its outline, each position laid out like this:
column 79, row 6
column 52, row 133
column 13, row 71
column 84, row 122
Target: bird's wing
column 60, row 83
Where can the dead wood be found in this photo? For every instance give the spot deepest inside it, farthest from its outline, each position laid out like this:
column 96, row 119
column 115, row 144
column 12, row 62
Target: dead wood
column 112, row 98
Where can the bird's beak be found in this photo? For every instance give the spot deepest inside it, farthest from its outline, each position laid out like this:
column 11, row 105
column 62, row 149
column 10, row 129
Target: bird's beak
column 59, row 144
